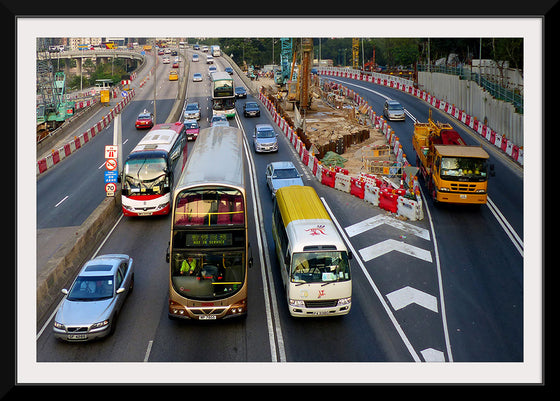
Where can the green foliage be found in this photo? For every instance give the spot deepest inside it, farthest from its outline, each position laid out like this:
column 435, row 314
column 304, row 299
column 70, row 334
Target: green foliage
column 390, row 52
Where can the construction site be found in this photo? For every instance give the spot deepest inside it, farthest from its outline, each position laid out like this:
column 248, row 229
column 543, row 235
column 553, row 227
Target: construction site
column 328, row 118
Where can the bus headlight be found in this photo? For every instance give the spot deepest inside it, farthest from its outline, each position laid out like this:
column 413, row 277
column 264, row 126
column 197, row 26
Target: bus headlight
column 298, row 303
column 176, row 308
column 443, row 189
column 237, row 308
column 344, row 301
column 480, row 191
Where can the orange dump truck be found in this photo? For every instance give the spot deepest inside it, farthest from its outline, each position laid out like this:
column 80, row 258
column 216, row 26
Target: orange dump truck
column 454, row 172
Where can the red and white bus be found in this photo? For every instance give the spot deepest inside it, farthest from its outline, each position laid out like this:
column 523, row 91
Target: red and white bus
column 149, row 170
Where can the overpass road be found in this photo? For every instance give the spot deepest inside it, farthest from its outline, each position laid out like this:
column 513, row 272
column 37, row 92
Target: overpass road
column 457, row 297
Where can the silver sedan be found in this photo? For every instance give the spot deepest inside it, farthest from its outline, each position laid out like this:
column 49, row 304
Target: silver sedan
column 281, row 174
column 91, row 306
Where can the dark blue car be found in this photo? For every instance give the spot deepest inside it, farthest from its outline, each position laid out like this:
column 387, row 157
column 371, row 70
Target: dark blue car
column 251, row 109
column 240, row 92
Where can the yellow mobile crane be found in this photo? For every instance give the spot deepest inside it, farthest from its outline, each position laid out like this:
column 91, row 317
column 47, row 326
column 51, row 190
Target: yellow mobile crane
column 355, row 53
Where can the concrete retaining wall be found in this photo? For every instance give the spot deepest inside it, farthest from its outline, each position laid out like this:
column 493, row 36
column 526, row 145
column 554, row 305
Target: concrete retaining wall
column 475, row 101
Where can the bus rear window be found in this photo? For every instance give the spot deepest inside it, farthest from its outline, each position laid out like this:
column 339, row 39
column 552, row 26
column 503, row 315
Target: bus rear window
column 209, row 207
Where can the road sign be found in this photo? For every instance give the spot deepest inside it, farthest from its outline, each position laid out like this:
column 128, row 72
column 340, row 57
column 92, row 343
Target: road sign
column 110, row 188
column 124, row 94
column 111, row 177
column 111, row 151
column 111, row 164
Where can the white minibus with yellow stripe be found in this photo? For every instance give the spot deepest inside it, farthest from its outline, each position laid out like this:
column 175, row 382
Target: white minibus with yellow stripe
column 313, row 258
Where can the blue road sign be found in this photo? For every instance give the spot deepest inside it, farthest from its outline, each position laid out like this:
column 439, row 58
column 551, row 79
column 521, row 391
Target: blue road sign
column 111, row 176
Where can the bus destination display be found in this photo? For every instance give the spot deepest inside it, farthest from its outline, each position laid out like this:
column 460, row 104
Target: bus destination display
column 200, row 240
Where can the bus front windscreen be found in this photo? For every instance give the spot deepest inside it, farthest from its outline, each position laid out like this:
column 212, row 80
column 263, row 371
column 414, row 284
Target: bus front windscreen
column 207, row 275
column 320, row 267
column 223, row 104
column 145, row 176
column 223, row 88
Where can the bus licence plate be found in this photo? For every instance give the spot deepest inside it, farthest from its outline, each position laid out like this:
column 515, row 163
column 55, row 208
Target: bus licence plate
column 207, row 317
column 463, row 196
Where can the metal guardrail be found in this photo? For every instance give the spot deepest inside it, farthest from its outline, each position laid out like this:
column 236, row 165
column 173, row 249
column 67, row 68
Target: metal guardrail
column 497, row 91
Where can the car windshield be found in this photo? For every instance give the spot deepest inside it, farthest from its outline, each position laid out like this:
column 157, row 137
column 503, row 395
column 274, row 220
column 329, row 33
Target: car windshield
column 191, row 125
column 144, row 117
column 284, row 173
column 265, row 133
column 320, row 267
column 191, row 107
column 251, row 105
column 395, row 107
column 91, row 288
column 145, row 176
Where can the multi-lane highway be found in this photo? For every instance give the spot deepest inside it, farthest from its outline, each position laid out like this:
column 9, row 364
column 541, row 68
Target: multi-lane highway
column 446, row 288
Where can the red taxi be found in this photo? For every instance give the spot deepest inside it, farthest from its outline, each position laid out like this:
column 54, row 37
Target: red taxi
column 192, row 129
column 145, row 120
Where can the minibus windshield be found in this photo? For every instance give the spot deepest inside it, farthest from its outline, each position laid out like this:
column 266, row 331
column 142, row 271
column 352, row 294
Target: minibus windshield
column 320, row 267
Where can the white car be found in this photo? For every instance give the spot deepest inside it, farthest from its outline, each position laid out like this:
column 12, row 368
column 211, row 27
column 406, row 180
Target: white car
column 197, row 77
column 165, row 60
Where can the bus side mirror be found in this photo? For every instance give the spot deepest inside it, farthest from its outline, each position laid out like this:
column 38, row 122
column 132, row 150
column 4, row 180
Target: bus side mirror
column 350, row 255
column 167, row 253
column 492, row 172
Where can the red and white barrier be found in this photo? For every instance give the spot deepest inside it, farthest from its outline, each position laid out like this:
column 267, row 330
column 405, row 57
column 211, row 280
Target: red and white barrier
column 369, row 188
column 512, row 150
column 57, row 155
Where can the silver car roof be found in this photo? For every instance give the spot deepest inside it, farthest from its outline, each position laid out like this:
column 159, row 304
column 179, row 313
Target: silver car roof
column 112, row 260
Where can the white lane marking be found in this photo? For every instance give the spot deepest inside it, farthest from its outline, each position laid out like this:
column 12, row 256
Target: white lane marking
column 271, row 307
column 62, row 200
column 515, row 239
column 148, row 350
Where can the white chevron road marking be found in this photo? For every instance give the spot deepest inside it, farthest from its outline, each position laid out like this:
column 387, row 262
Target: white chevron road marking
column 378, row 220
column 407, row 295
column 376, row 250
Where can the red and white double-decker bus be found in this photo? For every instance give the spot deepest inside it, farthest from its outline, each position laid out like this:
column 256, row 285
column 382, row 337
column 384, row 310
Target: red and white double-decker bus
column 149, row 170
